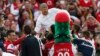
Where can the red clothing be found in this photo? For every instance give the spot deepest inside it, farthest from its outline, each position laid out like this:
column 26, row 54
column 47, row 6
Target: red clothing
column 50, row 3
column 91, row 27
column 98, row 16
column 9, row 47
column 36, row 6
column 15, row 6
column 63, row 49
column 18, row 41
column 85, row 3
column 48, row 47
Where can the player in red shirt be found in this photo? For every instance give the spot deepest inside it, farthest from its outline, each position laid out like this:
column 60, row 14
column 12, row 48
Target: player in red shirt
column 8, row 44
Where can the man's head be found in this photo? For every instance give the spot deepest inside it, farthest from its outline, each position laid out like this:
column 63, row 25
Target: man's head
column 44, row 8
column 11, row 17
column 76, row 28
column 86, row 34
column 27, row 29
column 28, row 6
column 25, row 15
column 11, row 35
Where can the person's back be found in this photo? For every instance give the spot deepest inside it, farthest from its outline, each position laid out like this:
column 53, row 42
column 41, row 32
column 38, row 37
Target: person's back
column 31, row 46
column 84, row 47
column 63, row 49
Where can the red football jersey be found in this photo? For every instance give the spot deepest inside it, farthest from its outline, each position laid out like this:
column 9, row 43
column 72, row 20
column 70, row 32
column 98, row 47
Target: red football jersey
column 50, row 3
column 48, row 46
column 9, row 47
column 85, row 3
column 98, row 16
column 63, row 49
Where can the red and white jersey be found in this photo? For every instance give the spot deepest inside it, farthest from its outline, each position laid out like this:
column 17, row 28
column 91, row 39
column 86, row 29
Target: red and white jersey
column 85, row 3
column 61, row 49
column 50, row 3
column 10, row 47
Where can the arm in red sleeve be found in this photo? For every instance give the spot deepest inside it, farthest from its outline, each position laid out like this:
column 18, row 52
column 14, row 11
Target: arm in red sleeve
column 18, row 41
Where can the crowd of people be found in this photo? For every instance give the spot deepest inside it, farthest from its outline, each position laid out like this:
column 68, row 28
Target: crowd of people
column 27, row 27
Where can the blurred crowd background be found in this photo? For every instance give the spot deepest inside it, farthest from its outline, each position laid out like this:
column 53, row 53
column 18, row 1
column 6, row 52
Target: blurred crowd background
column 15, row 14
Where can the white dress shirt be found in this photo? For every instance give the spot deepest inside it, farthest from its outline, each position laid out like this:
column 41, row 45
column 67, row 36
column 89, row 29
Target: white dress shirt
column 45, row 21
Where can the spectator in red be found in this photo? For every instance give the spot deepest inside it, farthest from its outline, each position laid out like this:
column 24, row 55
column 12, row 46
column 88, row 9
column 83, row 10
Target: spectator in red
column 35, row 4
column 50, row 3
column 8, row 44
column 91, row 23
column 85, row 3
column 15, row 8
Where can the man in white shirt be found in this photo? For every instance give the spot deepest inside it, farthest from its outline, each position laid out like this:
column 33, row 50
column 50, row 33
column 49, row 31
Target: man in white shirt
column 46, row 18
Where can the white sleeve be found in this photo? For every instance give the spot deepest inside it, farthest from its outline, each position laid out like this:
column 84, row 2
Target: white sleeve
column 38, row 25
column 7, row 54
column 13, row 11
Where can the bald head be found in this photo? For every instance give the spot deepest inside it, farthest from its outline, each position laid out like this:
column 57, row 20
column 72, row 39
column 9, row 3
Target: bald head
column 43, row 5
column 44, row 8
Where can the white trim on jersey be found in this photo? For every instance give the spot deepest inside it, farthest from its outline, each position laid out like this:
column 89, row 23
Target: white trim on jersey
column 51, row 52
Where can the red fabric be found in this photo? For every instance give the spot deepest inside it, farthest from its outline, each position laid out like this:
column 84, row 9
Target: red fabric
column 36, row 6
column 98, row 16
column 91, row 27
column 71, row 23
column 61, row 17
column 63, row 49
column 6, row 1
column 6, row 43
column 15, row 6
column 48, row 46
column 50, row 3
column 85, row 4
column 11, row 48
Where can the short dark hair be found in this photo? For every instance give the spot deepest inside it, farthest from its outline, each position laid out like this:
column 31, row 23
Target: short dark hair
column 50, row 37
column 27, row 29
column 77, row 28
column 10, row 31
column 86, row 33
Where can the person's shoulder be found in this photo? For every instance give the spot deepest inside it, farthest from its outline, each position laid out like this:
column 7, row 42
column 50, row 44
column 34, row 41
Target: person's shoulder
column 40, row 17
column 31, row 37
column 53, row 10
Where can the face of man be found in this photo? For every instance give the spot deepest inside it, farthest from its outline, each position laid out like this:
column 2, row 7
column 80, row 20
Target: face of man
column 10, row 17
column 44, row 10
column 12, row 36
